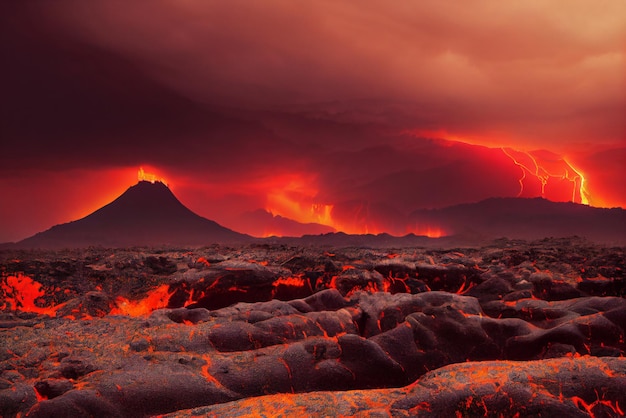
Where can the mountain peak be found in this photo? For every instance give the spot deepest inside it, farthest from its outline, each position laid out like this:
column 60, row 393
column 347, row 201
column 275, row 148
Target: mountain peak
column 147, row 213
column 146, row 183
column 142, row 176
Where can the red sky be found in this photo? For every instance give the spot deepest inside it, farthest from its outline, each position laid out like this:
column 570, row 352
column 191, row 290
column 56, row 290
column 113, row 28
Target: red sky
column 348, row 114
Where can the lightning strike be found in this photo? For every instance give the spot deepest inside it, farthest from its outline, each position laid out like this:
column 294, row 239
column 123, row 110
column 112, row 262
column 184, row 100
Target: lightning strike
column 548, row 169
column 584, row 193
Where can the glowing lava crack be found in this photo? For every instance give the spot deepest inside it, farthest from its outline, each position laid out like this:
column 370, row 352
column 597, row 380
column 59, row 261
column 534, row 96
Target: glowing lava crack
column 515, row 328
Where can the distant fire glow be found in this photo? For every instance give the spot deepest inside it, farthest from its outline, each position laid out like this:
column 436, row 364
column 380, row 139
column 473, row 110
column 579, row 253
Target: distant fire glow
column 294, row 197
column 296, row 201
column 286, row 206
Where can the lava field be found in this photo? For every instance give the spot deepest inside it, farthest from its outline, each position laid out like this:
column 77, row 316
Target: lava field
column 512, row 328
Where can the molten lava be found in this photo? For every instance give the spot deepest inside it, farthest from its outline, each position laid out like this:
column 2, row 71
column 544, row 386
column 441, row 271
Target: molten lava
column 156, row 299
column 20, row 293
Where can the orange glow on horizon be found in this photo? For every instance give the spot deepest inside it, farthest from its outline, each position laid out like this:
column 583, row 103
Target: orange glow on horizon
column 323, row 214
column 296, row 200
column 293, row 197
column 428, row 231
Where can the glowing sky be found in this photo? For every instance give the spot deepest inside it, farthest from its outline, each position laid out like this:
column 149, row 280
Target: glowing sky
column 350, row 114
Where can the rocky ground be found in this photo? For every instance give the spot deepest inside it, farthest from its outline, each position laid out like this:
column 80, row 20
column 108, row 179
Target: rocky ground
column 509, row 329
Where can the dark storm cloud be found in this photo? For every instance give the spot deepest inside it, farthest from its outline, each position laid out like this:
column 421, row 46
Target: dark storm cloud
column 86, row 106
column 110, row 71
column 517, row 67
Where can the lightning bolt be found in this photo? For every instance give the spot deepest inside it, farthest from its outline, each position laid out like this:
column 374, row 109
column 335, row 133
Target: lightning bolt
column 530, row 165
column 584, row 194
column 522, row 167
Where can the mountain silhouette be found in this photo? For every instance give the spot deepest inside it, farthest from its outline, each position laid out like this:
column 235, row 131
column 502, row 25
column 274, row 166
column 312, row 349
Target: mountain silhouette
column 262, row 223
column 147, row 214
column 527, row 218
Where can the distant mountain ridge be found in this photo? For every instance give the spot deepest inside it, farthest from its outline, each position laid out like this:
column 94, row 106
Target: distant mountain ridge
column 262, row 223
column 527, row 218
column 147, row 213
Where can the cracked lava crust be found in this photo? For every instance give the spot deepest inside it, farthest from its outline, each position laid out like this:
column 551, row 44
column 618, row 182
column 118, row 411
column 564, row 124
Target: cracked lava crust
column 512, row 328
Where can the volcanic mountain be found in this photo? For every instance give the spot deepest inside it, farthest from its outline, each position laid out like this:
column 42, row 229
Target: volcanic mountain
column 147, row 213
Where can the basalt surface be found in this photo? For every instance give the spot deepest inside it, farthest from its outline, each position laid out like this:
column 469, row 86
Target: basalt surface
column 509, row 329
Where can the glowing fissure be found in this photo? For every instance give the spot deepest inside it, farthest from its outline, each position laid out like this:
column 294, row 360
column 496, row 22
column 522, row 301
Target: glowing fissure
column 21, row 293
column 156, row 299
column 545, row 170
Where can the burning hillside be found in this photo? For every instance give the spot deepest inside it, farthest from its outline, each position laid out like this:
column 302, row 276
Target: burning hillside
column 509, row 329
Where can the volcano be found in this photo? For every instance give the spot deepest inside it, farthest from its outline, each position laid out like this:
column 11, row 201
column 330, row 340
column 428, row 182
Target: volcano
column 146, row 214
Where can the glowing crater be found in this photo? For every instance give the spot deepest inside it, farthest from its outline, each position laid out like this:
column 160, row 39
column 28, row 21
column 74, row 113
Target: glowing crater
column 152, row 178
